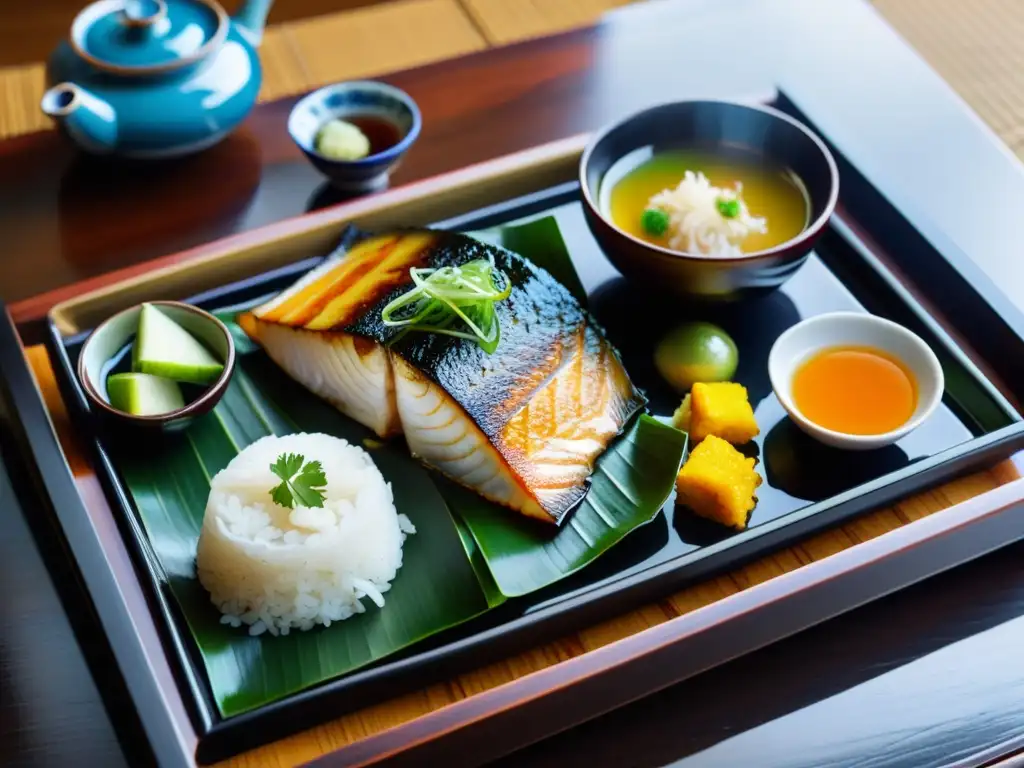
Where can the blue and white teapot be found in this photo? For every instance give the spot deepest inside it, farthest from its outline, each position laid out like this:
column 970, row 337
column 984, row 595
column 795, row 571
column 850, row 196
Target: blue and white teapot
column 155, row 78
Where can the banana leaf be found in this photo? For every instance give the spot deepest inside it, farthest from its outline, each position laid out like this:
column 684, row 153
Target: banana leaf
column 541, row 241
column 488, row 553
column 170, row 482
column 628, row 488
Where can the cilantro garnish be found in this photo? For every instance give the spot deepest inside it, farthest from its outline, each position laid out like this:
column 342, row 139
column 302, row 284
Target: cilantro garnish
column 300, row 482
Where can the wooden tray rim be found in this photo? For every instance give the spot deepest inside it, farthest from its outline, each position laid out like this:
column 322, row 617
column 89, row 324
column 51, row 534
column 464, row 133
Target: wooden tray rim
column 682, row 647
column 834, row 575
column 489, row 182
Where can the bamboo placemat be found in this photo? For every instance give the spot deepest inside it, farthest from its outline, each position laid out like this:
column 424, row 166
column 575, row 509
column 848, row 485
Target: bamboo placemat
column 976, row 46
column 21, row 88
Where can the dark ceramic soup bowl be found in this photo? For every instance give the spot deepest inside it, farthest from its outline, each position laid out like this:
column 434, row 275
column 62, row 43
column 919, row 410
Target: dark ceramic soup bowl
column 716, row 128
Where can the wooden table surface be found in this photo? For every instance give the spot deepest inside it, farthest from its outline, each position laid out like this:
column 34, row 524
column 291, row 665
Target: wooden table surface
column 70, row 224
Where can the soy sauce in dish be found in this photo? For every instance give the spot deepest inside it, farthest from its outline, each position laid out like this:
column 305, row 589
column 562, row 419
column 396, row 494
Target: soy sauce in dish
column 381, row 132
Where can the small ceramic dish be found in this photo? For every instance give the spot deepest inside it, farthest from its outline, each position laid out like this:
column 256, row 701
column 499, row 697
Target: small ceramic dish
column 718, row 128
column 838, row 329
column 349, row 100
column 109, row 340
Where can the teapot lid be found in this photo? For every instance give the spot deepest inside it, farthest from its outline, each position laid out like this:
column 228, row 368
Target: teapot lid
column 147, row 36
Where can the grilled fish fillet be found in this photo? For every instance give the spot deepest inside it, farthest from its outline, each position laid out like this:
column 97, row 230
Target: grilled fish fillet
column 522, row 427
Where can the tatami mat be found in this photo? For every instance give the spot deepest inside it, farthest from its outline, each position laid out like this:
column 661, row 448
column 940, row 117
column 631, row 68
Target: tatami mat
column 386, row 37
column 977, row 45
column 20, row 91
column 507, row 21
column 283, row 70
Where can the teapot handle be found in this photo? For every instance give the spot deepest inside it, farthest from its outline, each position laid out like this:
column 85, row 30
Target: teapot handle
column 251, row 17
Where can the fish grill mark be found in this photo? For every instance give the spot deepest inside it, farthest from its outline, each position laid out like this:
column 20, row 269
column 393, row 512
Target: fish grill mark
column 308, row 302
column 391, row 270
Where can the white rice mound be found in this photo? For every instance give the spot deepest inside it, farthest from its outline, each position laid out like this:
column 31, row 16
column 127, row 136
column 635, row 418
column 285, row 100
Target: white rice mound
column 697, row 226
column 278, row 569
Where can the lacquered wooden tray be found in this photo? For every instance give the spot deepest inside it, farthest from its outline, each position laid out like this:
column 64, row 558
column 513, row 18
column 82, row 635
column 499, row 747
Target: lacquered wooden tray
column 452, row 197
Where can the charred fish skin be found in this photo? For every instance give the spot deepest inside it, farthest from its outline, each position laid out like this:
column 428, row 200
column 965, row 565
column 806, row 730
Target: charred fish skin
column 523, row 426
column 540, row 321
column 551, row 397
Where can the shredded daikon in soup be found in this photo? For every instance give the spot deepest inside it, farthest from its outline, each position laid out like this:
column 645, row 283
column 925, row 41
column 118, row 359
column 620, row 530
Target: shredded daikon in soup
column 705, row 219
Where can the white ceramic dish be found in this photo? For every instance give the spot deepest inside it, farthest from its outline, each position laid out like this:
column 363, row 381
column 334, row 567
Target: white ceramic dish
column 836, row 329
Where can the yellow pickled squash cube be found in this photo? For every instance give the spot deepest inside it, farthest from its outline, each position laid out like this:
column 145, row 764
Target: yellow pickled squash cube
column 718, row 482
column 723, row 410
column 681, row 418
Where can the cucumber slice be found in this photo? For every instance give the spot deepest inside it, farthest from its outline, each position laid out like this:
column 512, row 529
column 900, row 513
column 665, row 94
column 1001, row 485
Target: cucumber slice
column 164, row 348
column 141, row 394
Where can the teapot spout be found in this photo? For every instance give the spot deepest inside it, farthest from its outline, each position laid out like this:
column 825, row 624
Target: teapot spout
column 251, row 18
column 88, row 119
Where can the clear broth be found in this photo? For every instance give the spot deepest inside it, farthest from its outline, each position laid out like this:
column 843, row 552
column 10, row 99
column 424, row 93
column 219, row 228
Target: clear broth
column 769, row 190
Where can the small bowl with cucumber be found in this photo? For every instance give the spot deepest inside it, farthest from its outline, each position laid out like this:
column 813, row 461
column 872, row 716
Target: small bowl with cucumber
column 158, row 365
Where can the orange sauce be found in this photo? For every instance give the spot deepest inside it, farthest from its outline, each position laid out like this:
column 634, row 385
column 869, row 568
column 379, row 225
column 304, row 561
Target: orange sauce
column 855, row 390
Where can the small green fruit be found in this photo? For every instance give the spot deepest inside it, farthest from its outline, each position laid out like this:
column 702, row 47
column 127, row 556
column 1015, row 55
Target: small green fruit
column 695, row 352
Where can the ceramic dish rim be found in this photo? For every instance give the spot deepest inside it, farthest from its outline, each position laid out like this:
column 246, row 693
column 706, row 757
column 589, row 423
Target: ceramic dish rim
column 212, row 393
column 401, row 146
column 890, row 328
column 810, row 230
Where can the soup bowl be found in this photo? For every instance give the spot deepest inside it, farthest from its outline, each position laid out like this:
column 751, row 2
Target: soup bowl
column 716, row 129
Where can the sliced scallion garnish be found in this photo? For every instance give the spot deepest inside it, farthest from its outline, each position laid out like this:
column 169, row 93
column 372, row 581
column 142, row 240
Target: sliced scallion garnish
column 442, row 297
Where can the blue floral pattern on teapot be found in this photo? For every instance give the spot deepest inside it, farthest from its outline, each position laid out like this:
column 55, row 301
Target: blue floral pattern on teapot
column 155, row 78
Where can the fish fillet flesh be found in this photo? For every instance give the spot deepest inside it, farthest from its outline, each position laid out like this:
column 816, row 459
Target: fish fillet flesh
column 522, row 427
